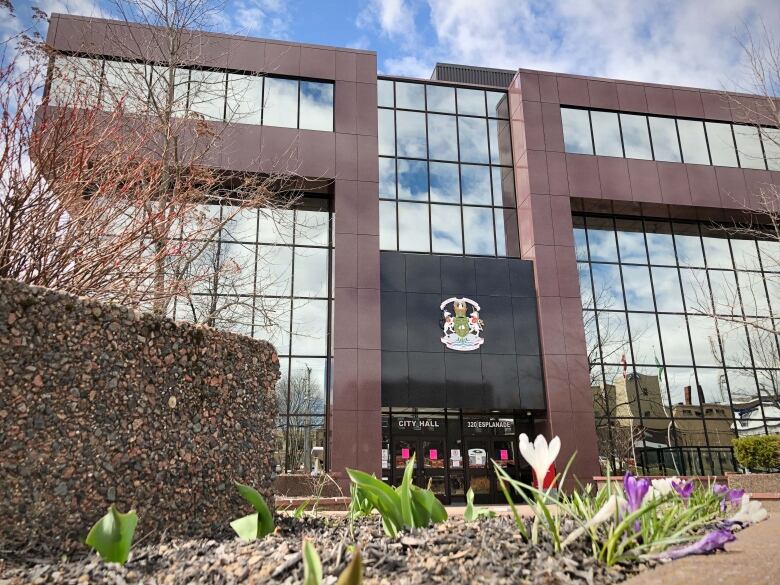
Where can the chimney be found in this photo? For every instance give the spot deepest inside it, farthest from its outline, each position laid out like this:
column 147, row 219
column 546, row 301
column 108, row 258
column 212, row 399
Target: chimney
column 687, row 395
column 700, row 392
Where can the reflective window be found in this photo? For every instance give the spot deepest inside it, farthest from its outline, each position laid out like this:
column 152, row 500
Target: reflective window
column 770, row 139
column 410, row 134
column 280, row 102
column 663, row 132
column 454, row 150
column 413, row 180
column 606, row 134
column 471, row 102
column 749, row 147
column 410, row 96
column 76, row 80
column 385, row 93
column 691, row 368
column 316, row 106
column 473, row 140
column 636, row 136
column 442, row 137
column 693, row 142
column 207, row 94
column 244, row 99
column 576, row 131
column 126, row 84
column 441, row 99
column 721, row 143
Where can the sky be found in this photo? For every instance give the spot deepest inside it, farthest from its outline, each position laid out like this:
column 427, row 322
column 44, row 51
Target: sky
column 684, row 42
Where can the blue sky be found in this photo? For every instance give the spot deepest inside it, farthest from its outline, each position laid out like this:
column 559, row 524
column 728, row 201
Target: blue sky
column 685, row 42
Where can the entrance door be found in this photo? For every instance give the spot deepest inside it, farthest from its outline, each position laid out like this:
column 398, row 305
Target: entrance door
column 481, row 475
column 429, row 464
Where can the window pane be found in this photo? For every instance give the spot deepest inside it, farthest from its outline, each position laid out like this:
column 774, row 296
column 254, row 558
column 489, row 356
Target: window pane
column 309, row 327
column 238, row 264
column 445, row 187
column 473, row 140
column 752, row 293
column 441, row 99
column 244, row 99
column 386, row 132
column 239, row 225
column 664, row 135
column 660, row 245
column 749, row 147
column 274, row 270
column 631, row 241
column 580, row 243
column 694, row 144
column 471, row 101
column 601, row 238
column 613, row 338
column 636, row 282
column 125, row 83
column 606, row 133
column 310, row 278
column 503, row 186
column 745, row 254
column 688, row 243
column 410, row 96
column 386, row 178
column 696, row 290
column 234, row 314
column 316, row 106
column 636, row 137
column 478, row 230
column 75, row 82
column 442, row 137
column 770, row 137
column 276, row 226
column 387, row 234
column 307, row 387
column 413, row 227
column 411, row 134
column 607, row 291
column 497, row 104
column 446, row 229
column 280, row 102
column 576, row 131
column 666, row 284
column 507, row 239
column 475, row 184
column 721, row 144
column 644, row 338
column 674, row 335
column 413, row 180
column 385, row 93
column 770, row 255
column 704, row 338
column 312, row 228
column 500, row 142
column 160, row 85
column 717, row 253
column 724, row 293
column 207, row 94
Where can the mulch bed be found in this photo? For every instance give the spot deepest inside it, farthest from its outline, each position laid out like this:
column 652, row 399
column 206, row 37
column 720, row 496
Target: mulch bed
column 485, row 551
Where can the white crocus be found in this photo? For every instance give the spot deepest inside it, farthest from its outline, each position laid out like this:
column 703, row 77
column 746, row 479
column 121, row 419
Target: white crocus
column 539, row 454
column 750, row 512
column 609, row 510
column 663, row 486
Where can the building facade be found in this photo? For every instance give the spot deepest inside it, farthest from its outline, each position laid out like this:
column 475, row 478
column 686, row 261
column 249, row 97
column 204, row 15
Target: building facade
column 488, row 252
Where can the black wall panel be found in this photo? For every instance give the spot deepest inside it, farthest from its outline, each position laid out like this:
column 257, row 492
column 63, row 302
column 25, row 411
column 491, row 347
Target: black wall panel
column 418, row 370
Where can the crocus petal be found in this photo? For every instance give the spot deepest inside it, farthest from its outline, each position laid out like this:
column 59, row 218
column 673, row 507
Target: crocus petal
column 610, row 509
column 553, row 449
column 750, row 512
column 710, row 542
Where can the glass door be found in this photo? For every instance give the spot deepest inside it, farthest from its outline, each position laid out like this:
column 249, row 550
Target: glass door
column 504, row 456
column 478, row 470
column 403, row 450
column 434, row 470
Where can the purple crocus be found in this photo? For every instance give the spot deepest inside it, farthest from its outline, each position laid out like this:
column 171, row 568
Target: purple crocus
column 720, row 490
column 635, row 490
column 730, row 496
column 684, row 490
column 734, row 497
column 710, row 542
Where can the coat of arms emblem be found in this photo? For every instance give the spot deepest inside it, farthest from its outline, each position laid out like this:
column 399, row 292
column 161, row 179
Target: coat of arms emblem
column 461, row 324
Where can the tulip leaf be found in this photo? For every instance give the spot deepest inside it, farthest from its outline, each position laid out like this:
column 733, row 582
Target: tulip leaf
column 405, row 492
column 469, row 514
column 312, row 566
column 353, row 574
column 255, row 525
column 112, row 535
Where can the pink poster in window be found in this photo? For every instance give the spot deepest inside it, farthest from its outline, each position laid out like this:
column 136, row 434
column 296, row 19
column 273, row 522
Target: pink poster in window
column 404, row 453
column 504, row 454
column 434, row 454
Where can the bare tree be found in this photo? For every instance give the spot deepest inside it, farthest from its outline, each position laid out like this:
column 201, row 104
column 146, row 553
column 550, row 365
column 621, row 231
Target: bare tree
column 109, row 184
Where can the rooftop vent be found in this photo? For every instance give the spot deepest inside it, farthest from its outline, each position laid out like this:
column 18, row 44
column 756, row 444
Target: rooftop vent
column 473, row 75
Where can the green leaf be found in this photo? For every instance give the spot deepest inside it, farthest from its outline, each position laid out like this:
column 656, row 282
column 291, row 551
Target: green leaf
column 312, row 567
column 405, row 493
column 353, row 574
column 265, row 520
column 382, row 497
column 247, row 527
column 112, row 535
column 468, row 514
column 299, row 511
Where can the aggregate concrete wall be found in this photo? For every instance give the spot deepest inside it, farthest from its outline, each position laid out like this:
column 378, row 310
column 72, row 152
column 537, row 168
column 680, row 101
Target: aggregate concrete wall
column 100, row 404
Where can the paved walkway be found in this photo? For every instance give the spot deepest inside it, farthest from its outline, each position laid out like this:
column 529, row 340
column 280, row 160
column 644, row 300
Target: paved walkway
column 752, row 559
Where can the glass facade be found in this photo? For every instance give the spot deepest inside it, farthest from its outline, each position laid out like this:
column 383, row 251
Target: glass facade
column 670, row 139
column 208, row 94
column 675, row 373
column 445, row 170
column 274, row 284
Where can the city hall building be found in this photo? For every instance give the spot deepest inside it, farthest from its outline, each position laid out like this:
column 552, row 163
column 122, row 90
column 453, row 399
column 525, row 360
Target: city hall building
column 490, row 253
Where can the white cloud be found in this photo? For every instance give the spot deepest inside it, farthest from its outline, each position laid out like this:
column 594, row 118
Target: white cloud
column 686, row 42
column 80, row 7
column 261, row 18
column 395, row 18
column 410, row 66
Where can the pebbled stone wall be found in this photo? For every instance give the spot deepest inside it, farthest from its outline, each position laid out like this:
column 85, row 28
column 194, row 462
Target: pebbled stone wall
column 100, row 404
